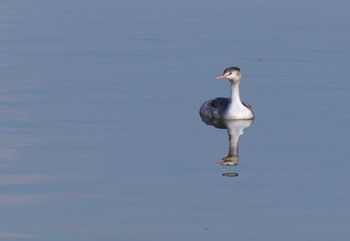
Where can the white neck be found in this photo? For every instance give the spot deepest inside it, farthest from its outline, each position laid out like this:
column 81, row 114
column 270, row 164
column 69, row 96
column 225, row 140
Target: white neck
column 236, row 109
column 235, row 94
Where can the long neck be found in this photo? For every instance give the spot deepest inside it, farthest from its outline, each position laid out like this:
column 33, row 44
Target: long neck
column 236, row 109
column 235, row 94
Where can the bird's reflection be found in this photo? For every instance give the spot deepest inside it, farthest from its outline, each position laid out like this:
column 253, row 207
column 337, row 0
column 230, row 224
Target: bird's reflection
column 234, row 130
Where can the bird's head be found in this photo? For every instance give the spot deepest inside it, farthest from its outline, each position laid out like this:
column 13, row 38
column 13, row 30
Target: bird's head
column 233, row 74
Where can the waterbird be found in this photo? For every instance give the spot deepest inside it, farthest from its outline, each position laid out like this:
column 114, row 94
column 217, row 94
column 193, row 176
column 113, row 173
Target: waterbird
column 228, row 108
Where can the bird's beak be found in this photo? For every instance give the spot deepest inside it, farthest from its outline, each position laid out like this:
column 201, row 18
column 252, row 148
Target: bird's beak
column 221, row 77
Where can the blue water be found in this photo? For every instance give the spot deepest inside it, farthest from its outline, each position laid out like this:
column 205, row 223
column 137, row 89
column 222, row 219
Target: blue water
column 101, row 137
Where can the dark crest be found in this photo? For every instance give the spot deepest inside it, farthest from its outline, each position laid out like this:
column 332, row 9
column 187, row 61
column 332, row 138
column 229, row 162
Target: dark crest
column 230, row 69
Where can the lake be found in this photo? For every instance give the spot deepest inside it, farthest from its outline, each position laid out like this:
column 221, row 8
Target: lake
column 101, row 137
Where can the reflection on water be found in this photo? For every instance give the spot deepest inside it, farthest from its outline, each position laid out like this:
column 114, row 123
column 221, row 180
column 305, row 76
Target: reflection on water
column 234, row 130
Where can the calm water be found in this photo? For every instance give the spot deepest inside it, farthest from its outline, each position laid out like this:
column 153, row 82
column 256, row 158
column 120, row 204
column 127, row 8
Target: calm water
column 101, row 137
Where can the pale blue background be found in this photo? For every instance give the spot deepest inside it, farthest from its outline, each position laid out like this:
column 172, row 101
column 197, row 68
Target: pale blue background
column 100, row 137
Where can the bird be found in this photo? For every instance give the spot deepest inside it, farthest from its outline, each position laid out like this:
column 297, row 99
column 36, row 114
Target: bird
column 228, row 108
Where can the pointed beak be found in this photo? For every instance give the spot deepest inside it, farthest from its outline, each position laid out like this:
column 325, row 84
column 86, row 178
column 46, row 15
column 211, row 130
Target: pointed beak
column 221, row 77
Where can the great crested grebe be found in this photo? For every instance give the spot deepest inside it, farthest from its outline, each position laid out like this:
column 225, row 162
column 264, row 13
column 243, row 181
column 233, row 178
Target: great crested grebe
column 228, row 108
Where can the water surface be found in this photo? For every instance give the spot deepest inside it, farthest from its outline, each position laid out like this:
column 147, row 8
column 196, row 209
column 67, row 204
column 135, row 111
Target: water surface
column 101, row 137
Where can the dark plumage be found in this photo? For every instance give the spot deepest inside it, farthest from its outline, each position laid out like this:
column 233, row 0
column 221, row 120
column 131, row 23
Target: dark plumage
column 215, row 108
column 230, row 69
